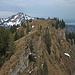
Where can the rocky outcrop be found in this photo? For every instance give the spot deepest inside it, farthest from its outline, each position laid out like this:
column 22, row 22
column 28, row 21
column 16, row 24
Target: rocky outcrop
column 18, row 62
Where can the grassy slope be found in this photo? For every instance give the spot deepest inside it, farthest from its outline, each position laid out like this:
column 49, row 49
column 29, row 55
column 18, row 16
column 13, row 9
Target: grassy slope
column 55, row 64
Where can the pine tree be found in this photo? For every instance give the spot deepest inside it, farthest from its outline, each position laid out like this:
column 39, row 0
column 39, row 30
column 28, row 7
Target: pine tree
column 47, row 40
column 19, row 34
column 57, row 23
column 11, row 45
column 16, row 37
column 62, row 24
column 27, row 28
column 31, row 46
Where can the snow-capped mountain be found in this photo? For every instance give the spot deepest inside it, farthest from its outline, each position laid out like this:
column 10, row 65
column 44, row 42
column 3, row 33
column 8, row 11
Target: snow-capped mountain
column 14, row 19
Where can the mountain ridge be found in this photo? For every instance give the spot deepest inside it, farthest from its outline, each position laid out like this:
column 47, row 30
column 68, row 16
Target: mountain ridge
column 42, row 51
column 70, row 28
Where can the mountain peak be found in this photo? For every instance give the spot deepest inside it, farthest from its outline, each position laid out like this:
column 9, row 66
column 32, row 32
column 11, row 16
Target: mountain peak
column 20, row 13
column 14, row 19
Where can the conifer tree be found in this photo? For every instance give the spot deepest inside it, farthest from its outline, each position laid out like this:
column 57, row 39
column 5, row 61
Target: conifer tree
column 47, row 40
column 27, row 28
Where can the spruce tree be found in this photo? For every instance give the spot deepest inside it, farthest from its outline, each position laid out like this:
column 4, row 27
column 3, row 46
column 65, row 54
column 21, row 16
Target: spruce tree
column 47, row 40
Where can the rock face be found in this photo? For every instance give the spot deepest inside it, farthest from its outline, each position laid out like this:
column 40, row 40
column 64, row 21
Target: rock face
column 18, row 62
column 55, row 63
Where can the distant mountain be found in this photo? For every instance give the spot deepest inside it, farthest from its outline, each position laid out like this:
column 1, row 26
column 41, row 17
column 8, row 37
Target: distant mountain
column 70, row 28
column 14, row 19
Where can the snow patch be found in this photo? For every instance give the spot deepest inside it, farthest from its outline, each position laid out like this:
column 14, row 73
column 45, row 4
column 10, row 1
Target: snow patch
column 31, row 71
column 17, row 28
column 6, row 19
column 29, row 32
column 42, row 65
column 2, row 20
column 27, row 17
column 15, row 16
column 32, row 18
column 67, row 54
column 30, row 53
column 32, row 26
column 34, row 57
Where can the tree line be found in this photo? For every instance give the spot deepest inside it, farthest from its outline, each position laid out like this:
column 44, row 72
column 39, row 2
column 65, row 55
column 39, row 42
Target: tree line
column 59, row 23
column 6, row 44
column 7, row 38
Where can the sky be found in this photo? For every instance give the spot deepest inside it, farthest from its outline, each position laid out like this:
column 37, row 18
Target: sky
column 63, row 9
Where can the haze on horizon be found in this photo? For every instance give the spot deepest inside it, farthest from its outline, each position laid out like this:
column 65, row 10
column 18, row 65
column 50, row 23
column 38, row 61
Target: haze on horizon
column 63, row 9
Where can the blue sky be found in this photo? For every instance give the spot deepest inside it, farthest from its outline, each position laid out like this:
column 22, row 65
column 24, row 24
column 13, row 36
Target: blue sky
column 63, row 9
